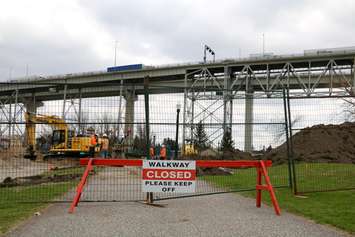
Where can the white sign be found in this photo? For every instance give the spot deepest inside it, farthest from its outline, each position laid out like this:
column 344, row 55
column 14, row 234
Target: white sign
column 169, row 176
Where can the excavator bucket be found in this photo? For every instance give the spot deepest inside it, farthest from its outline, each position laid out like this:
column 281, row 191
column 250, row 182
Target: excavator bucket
column 30, row 153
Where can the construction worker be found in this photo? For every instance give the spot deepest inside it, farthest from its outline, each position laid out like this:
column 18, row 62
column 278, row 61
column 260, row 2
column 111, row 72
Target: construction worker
column 163, row 153
column 104, row 146
column 157, row 151
column 168, row 152
column 93, row 144
column 151, row 152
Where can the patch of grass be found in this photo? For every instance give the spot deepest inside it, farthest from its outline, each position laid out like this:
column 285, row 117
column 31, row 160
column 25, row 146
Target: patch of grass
column 323, row 176
column 64, row 171
column 334, row 208
column 19, row 203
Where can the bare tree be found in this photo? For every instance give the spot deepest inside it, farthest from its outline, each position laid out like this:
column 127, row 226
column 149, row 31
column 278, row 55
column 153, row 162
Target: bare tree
column 349, row 108
column 107, row 125
column 279, row 130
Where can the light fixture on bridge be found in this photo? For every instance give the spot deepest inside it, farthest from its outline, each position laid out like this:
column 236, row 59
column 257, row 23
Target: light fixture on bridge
column 52, row 89
column 208, row 49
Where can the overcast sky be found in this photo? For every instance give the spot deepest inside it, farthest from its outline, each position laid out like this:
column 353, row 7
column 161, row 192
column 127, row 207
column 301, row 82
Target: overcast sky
column 64, row 36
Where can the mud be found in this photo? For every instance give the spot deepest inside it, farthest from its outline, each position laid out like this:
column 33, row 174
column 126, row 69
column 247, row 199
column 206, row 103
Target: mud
column 319, row 143
column 37, row 179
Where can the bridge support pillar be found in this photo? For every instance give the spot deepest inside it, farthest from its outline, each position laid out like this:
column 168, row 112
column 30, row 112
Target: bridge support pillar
column 248, row 127
column 227, row 101
column 130, row 98
column 31, row 106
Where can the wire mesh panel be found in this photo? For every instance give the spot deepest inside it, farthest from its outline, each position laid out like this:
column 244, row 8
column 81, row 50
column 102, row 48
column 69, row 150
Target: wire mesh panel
column 323, row 144
column 44, row 133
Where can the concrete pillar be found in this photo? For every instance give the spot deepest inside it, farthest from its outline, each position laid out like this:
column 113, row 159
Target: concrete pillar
column 248, row 127
column 31, row 106
column 184, row 115
column 192, row 117
column 80, row 130
column 227, row 100
column 64, row 100
column 130, row 98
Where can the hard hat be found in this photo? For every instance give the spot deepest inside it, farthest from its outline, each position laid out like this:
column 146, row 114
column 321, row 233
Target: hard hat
column 105, row 135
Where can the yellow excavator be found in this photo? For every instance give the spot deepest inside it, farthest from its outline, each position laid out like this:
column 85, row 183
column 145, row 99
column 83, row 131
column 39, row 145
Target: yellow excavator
column 64, row 142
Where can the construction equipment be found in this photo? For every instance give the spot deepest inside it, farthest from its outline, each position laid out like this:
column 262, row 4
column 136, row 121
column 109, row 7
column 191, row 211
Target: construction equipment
column 189, row 149
column 65, row 143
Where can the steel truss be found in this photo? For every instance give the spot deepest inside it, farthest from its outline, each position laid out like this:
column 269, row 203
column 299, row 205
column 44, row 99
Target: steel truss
column 201, row 104
column 11, row 112
column 329, row 78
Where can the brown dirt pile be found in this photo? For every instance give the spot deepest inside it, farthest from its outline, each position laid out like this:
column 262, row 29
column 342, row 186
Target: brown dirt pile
column 320, row 143
column 37, row 179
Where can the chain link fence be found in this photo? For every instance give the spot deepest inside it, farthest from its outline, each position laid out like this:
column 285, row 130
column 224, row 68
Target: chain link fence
column 323, row 144
column 54, row 125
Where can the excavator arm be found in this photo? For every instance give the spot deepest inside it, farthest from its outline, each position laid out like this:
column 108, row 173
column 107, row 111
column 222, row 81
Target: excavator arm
column 31, row 121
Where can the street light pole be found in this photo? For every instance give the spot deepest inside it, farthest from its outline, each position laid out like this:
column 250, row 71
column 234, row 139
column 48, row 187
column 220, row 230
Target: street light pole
column 115, row 53
column 178, row 107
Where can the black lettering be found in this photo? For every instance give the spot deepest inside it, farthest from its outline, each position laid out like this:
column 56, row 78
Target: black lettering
column 152, row 164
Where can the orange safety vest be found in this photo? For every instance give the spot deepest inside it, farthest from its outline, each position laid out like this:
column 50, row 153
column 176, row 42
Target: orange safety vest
column 151, row 151
column 104, row 144
column 163, row 152
column 93, row 140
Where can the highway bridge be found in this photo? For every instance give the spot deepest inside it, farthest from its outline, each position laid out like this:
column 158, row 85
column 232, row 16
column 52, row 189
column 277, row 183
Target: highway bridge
column 314, row 73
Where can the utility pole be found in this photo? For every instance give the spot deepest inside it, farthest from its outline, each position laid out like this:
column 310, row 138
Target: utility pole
column 115, row 62
column 263, row 44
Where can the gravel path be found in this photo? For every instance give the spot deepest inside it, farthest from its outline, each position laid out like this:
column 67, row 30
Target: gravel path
column 217, row 215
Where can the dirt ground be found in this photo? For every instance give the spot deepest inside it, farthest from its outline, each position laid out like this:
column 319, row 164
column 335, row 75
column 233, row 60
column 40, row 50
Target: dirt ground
column 13, row 165
column 320, row 143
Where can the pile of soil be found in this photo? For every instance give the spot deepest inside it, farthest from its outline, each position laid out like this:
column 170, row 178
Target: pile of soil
column 236, row 155
column 38, row 179
column 213, row 171
column 320, row 143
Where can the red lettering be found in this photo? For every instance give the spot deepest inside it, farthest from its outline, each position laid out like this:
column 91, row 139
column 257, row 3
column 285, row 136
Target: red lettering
column 162, row 174
column 150, row 174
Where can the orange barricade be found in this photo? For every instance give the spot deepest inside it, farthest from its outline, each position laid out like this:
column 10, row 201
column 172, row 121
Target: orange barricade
column 260, row 165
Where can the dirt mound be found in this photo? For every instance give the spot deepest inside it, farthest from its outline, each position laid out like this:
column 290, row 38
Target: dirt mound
column 37, row 179
column 320, row 143
column 213, row 171
column 236, row 155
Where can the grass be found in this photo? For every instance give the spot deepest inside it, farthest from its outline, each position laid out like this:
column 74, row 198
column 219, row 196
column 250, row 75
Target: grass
column 333, row 208
column 19, row 203
column 28, row 200
column 79, row 170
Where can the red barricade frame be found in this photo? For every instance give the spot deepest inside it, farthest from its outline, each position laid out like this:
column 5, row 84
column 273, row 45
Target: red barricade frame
column 260, row 165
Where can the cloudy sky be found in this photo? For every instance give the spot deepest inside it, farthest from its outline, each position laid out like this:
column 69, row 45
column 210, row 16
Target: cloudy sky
column 64, row 36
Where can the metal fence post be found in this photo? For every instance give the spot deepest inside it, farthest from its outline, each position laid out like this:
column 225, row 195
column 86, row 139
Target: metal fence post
column 287, row 140
column 177, row 133
column 146, row 106
column 291, row 143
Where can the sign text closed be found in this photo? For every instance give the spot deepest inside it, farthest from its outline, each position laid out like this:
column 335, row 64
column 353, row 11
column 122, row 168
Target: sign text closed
column 168, row 176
